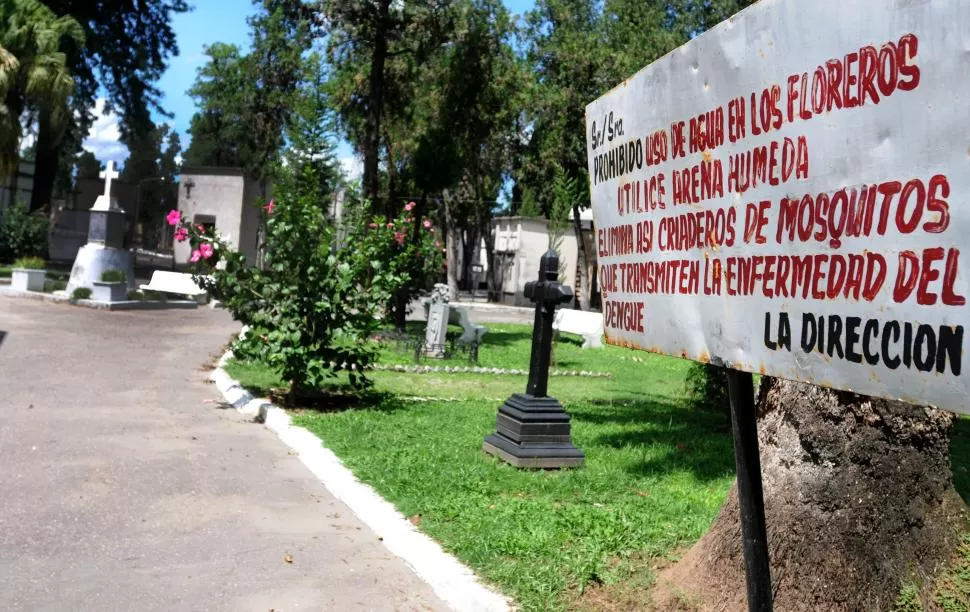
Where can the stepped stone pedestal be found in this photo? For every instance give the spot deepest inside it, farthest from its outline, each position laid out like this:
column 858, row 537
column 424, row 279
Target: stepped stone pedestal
column 533, row 432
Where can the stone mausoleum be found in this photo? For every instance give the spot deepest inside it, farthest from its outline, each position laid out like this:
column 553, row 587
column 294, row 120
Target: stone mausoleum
column 520, row 243
column 227, row 200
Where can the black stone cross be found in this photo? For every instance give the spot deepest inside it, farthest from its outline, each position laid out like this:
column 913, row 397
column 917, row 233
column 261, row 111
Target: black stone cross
column 547, row 293
column 532, row 430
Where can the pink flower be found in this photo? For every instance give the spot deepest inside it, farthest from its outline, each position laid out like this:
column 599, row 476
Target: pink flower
column 195, row 256
column 181, row 234
column 408, row 220
column 201, row 228
column 427, row 224
column 409, row 206
column 437, row 244
column 205, row 250
column 390, row 225
column 270, row 207
column 173, row 217
column 373, row 226
column 399, row 237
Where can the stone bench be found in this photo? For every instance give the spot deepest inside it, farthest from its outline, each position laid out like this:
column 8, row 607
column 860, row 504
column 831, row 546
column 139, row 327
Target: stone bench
column 589, row 325
column 176, row 283
column 471, row 332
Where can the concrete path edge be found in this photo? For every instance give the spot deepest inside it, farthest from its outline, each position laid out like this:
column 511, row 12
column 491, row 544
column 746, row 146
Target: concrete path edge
column 452, row 581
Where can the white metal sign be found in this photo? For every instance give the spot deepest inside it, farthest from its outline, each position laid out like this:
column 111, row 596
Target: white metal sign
column 789, row 193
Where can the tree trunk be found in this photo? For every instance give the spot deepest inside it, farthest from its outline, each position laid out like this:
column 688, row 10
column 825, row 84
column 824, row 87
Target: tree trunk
column 375, row 107
column 582, row 267
column 45, row 172
column 392, row 206
column 469, row 256
column 491, row 275
column 451, row 247
column 10, row 155
column 858, row 499
column 401, row 309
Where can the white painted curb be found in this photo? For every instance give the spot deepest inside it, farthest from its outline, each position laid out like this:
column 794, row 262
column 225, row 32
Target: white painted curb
column 454, row 583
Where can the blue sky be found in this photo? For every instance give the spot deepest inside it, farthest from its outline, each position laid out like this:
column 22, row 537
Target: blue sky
column 210, row 21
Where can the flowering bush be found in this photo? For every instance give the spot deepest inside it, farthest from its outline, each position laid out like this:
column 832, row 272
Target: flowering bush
column 321, row 292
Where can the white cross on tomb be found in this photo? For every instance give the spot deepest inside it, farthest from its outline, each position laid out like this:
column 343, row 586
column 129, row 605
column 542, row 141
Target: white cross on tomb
column 108, row 174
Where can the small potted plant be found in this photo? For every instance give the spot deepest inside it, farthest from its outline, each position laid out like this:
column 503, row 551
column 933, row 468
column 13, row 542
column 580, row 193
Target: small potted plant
column 113, row 286
column 28, row 274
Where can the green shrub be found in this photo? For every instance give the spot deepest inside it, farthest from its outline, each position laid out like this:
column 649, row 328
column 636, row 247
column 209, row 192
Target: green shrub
column 52, row 285
column 114, row 276
column 81, row 293
column 5, row 271
column 30, row 263
column 707, row 387
column 22, row 234
column 136, row 295
column 322, row 293
column 154, row 296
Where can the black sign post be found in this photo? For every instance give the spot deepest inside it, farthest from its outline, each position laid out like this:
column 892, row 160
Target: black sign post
column 744, row 422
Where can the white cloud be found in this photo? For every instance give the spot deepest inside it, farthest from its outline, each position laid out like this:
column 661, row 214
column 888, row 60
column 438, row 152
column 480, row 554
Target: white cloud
column 352, row 167
column 104, row 136
column 194, row 59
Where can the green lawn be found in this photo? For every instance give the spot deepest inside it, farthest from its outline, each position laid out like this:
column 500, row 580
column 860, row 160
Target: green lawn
column 655, row 475
column 506, row 346
column 656, row 472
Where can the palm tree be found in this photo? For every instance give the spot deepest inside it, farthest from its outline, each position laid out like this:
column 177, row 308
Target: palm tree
column 34, row 76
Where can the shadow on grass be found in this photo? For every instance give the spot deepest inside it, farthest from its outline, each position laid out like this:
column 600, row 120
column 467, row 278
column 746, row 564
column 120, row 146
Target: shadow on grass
column 339, row 398
column 502, row 337
column 677, row 439
column 960, row 457
column 630, row 409
column 567, row 339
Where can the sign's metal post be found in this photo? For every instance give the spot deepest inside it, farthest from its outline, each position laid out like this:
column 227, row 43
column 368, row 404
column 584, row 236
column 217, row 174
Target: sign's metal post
column 750, row 495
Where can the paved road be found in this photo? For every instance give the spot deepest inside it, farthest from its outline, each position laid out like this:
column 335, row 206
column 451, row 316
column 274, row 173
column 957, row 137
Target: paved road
column 125, row 487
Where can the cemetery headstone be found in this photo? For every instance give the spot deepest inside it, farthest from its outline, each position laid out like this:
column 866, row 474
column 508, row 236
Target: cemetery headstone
column 532, row 430
column 436, row 331
column 106, row 234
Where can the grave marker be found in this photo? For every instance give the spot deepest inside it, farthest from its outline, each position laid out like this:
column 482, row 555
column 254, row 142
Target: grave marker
column 436, row 329
column 106, row 233
column 532, row 430
column 108, row 174
column 789, row 204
